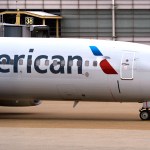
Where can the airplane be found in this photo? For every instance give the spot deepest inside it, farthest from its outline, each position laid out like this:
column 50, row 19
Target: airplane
column 68, row 69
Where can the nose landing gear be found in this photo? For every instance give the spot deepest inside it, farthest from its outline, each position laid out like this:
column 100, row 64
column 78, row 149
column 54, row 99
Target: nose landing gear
column 144, row 111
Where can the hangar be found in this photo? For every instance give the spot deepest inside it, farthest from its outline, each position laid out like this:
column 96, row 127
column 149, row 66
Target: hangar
column 126, row 20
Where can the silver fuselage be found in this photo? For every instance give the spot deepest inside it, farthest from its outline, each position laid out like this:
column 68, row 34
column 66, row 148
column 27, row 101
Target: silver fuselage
column 48, row 82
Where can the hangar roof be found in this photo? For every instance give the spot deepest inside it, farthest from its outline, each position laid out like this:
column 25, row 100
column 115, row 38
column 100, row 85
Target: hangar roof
column 39, row 14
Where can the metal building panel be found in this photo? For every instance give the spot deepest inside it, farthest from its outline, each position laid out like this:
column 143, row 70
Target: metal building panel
column 86, row 23
column 104, row 4
column 132, row 4
column 52, row 2
column 86, row 4
column 74, row 4
column 141, row 2
column 65, row 4
column 33, row 2
column 69, row 7
column 3, row 4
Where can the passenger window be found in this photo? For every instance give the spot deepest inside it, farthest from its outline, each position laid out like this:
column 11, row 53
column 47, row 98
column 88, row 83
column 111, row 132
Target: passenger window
column 4, row 61
column 70, row 63
column 29, row 62
column 79, row 63
column 20, row 61
column 46, row 62
column 86, row 63
column 11, row 61
column 38, row 62
column 62, row 63
column 55, row 63
column 94, row 63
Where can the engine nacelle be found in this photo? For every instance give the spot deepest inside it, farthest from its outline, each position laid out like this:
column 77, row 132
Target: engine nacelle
column 19, row 103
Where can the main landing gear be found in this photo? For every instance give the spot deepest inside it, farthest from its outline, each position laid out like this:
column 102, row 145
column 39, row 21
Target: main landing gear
column 144, row 111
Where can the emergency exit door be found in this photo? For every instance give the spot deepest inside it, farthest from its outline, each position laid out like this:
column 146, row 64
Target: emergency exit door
column 127, row 66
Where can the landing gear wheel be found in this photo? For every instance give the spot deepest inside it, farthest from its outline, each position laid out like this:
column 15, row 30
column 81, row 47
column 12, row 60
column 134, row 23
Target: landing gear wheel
column 145, row 115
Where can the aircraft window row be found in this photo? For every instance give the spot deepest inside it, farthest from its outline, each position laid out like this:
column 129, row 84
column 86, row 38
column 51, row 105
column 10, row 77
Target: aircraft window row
column 11, row 61
column 55, row 63
column 70, row 63
column 29, row 62
column 79, row 63
column 20, row 61
column 86, row 63
column 4, row 61
column 62, row 63
column 47, row 62
column 95, row 63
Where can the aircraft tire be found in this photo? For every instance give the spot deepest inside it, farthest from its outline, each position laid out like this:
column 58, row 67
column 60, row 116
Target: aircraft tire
column 145, row 115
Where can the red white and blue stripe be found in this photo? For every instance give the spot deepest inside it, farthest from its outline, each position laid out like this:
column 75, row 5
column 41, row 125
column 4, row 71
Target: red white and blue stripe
column 104, row 64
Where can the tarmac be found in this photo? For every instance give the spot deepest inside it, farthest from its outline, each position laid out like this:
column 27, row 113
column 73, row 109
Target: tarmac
column 91, row 125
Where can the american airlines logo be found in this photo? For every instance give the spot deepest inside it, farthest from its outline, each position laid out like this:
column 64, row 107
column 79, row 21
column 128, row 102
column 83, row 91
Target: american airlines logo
column 104, row 64
column 56, row 67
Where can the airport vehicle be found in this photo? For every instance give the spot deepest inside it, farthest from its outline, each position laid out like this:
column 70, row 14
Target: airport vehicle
column 34, row 69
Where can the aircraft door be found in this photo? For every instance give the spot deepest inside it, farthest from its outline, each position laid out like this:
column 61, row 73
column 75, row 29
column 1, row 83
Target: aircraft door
column 127, row 66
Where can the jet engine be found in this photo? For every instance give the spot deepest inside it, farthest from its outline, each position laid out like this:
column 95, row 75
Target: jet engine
column 19, row 103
